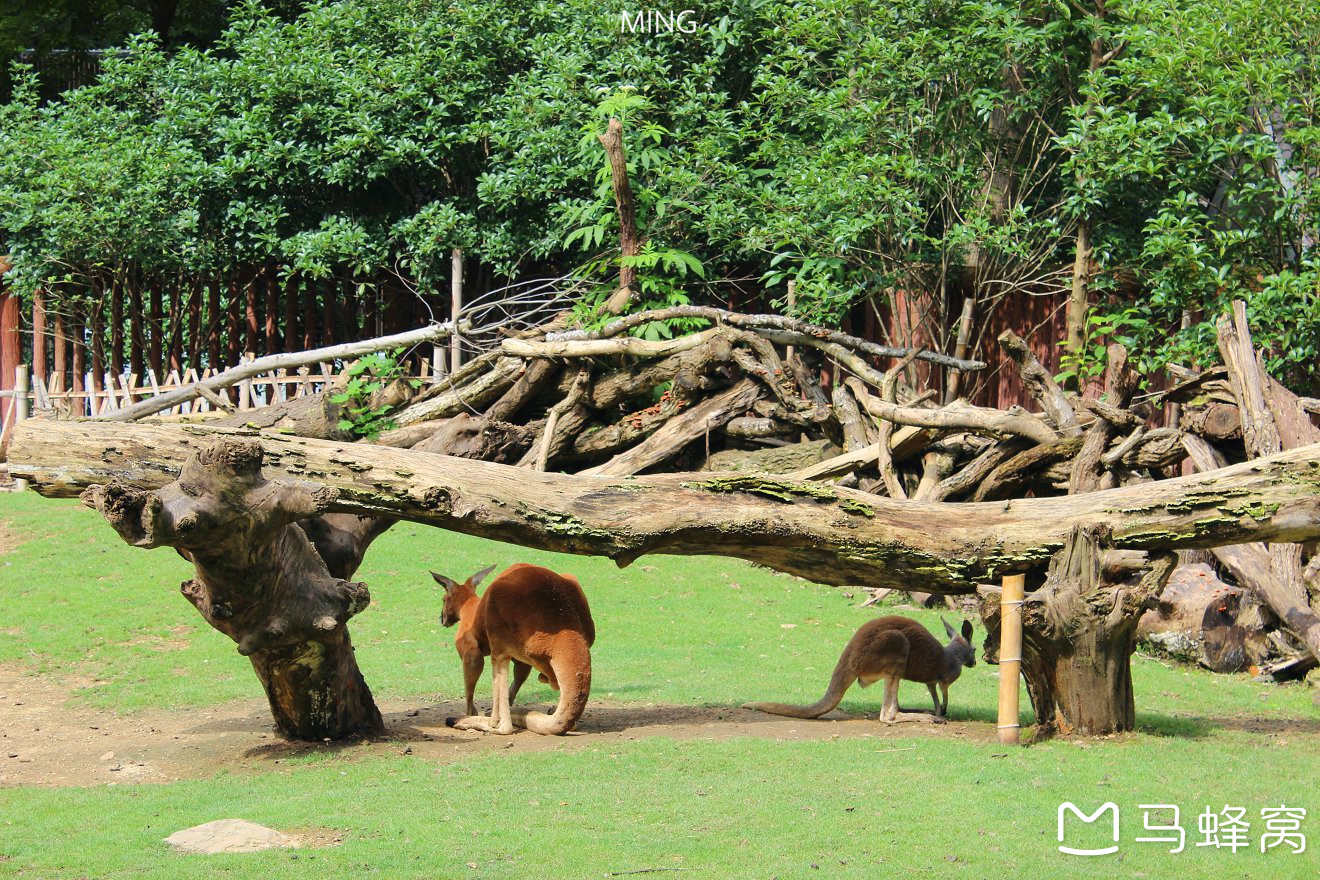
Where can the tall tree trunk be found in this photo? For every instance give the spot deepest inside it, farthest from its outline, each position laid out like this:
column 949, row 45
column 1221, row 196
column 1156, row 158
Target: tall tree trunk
column 136, row 344
column 1079, row 632
column 259, row 581
column 272, row 309
column 233, row 324
column 97, row 318
column 214, row 325
column 60, row 362
column 38, row 336
column 11, row 342
column 1079, row 298
column 78, row 345
column 252, row 329
column 117, row 324
column 195, row 334
column 309, row 323
column 630, row 244
column 291, row 303
column 329, row 312
column 156, row 325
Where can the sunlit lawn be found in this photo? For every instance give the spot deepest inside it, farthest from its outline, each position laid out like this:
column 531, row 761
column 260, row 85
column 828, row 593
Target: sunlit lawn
column 75, row 602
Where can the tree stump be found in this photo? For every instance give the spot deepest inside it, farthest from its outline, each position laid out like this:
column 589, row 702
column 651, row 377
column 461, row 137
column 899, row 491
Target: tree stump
column 259, row 581
column 1079, row 632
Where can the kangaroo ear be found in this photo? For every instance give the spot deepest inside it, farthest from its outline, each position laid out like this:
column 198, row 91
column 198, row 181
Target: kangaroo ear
column 447, row 583
column 948, row 629
column 480, row 576
column 967, row 631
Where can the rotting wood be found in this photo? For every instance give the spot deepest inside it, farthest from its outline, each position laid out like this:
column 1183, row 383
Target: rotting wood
column 258, row 580
column 1040, row 384
column 957, row 416
column 1253, row 565
column 681, row 430
column 777, row 328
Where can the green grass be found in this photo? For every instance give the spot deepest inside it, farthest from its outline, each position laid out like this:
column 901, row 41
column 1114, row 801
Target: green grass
column 76, row 602
column 751, row 808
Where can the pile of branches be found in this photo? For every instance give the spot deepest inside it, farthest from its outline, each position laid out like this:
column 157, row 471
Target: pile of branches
column 777, row 395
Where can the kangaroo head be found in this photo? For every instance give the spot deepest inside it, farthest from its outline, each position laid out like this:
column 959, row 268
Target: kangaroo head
column 456, row 594
column 960, row 647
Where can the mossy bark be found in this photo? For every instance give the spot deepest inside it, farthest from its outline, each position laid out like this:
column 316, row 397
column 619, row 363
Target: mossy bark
column 1078, row 634
column 259, row 581
column 827, row 534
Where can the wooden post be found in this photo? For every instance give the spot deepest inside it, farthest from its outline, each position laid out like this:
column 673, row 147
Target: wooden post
column 1010, row 657
column 245, row 401
column 455, row 307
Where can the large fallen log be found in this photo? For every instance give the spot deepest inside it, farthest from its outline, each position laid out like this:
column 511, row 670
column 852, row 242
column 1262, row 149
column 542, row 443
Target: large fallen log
column 827, row 534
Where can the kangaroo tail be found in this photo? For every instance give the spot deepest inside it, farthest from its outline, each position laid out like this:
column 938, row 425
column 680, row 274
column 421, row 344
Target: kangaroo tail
column 572, row 668
column 840, row 681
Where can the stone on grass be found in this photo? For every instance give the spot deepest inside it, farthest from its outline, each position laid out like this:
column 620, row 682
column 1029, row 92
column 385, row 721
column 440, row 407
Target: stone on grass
column 228, row 836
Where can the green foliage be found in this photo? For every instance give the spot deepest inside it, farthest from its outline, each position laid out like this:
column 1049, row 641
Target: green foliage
column 362, row 414
column 1188, row 152
column 855, row 148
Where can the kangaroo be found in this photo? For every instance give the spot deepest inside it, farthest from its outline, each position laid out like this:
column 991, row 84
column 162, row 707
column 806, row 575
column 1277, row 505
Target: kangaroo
column 531, row 617
column 891, row 648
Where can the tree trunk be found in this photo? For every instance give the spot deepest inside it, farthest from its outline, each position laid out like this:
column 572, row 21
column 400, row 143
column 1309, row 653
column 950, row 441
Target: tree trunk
column 827, row 534
column 38, row 336
column 214, row 325
column 1079, row 297
column 1078, row 634
column 116, row 326
column 259, row 581
column 629, row 242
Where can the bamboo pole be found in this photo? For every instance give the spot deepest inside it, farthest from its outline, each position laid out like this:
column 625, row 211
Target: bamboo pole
column 455, row 308
column 21, row 391
column 1010, row 658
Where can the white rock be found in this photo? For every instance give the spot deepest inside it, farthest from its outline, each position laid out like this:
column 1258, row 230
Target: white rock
column 228, row 835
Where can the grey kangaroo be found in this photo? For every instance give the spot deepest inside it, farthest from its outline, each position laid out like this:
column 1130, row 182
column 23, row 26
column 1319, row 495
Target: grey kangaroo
column 892, row 648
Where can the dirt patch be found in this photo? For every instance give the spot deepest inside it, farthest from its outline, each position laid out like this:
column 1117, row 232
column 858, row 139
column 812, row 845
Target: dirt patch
column 46, row 740
column 316, row 838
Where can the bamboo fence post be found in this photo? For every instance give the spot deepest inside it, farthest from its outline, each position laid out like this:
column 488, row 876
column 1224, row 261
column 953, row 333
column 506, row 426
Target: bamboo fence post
column 1010, row 657
column 21, row 389
column 455, row 308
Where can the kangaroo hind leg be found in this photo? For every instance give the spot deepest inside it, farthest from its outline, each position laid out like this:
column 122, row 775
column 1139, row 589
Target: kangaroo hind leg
column 571, row 667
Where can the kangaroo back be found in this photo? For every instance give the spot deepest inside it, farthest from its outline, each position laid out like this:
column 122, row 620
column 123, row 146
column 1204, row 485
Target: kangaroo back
column 889, row 649
column 526, row 602
column 541, row 618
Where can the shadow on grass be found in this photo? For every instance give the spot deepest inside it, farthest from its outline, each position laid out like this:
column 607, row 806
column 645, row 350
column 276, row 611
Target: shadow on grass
column 1199, row 726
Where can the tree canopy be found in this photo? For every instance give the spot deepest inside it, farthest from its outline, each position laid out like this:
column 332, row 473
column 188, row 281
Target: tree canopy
column 859, row 148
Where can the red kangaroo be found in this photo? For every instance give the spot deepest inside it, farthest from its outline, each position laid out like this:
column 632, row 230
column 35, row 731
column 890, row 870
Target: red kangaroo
column 532, row 617
column 892, row 648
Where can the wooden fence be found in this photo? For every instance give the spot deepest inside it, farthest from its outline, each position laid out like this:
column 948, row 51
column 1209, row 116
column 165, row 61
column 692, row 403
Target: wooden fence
column 31, row 396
